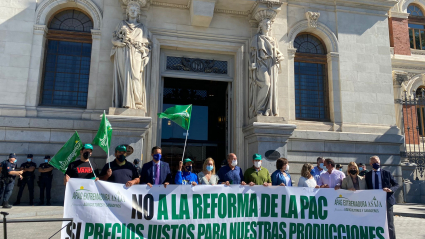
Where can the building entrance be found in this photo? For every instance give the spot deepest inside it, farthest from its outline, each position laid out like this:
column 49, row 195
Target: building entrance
column 207, row 132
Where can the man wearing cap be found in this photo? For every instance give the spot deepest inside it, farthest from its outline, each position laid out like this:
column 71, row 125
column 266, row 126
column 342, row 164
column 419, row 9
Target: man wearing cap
column 8, row 179
column 185, row 176
column 121, row 170
column 257, row 175
column 81, row 168
column 45, row 179
column 156, row 171
column 28, row 179
column 362, row 169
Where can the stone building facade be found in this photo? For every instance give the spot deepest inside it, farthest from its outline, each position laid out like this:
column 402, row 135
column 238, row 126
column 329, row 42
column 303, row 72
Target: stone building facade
column 333, row 89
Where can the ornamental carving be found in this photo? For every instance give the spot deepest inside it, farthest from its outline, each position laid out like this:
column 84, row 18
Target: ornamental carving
column 196, row 65
column 312, row 18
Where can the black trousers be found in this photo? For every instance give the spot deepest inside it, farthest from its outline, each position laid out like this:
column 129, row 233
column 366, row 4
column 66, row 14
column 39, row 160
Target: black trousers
column 390, row 219
column 26, row 181
column 6, row 188
column 45, row 184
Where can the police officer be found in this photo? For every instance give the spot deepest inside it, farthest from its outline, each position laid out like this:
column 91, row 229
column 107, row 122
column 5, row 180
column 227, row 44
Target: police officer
column 7, row 182
column 46, row 176
column 28, row 179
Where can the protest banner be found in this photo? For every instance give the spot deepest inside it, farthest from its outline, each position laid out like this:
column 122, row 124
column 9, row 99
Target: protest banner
column 108, row 210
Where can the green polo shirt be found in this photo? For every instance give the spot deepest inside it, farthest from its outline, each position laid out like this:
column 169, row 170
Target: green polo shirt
column 259, row 178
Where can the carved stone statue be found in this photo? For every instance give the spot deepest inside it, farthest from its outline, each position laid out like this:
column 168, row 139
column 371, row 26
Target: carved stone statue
column 265, row 66
column 130, row 55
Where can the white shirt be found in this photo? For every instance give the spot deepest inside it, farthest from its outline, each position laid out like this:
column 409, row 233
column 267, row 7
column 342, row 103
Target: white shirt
column 333, row 179
column 304, row 182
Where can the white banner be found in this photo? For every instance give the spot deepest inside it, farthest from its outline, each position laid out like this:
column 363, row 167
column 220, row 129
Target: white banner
column 103, row 210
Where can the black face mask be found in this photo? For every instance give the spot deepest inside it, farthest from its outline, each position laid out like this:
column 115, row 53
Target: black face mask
column 189, row 168
column 86, row 155
column 353, row 171
column 121, row 158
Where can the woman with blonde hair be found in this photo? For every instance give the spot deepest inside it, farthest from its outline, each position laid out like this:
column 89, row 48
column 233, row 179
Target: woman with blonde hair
column 353, row 181
column 208, row 176
column 307, row 180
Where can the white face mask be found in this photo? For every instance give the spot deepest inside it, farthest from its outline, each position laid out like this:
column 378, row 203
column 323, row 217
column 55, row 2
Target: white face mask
column 257, row 164
column 287, row 167
column 234, row 162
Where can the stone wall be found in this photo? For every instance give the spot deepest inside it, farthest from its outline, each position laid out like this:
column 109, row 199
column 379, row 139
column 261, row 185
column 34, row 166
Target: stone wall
column 16, row 28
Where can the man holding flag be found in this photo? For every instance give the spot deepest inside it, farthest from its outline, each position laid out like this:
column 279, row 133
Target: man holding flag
column 81, row 168
column 120, row 170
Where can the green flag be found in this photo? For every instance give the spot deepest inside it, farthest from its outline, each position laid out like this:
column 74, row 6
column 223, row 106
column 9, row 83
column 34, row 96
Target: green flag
column 179, row 114
column 67, row 153
column 104, row 134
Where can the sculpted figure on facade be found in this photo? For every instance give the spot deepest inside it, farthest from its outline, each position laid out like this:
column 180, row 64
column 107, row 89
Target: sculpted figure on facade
column 130, row 54
column 265, row 60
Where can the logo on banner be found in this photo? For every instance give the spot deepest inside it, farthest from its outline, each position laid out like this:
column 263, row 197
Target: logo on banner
column 357, row 206
column 103, row 199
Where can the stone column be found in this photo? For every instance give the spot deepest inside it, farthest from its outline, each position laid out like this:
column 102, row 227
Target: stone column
column 399, row 33
column 398, row 78
column 334, row 89
column 291, row 83
column 94, row 69
column 36, row 70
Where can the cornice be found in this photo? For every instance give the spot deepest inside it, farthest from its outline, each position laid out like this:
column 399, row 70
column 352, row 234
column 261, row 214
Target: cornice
column 232, row 12
column 385, row 5
column 171, row 5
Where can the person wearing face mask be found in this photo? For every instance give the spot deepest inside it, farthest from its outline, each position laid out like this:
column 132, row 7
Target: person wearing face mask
column 45, row 180
column 231, row 173
column 136, row 163
column 257, row 175
column 319, row 169
column 120, row 171
column 185, row 176
column 157, row 171
column 7, row 182
column 208, row 176
column 28, row 179
column 362, row 169
column 353, row 181
column 380, row 179
column 81, row 168
column 332, row 178
column 281, row 176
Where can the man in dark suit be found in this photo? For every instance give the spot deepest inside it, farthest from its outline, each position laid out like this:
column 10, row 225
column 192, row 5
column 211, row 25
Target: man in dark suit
column 383, row 180
column 156, row 171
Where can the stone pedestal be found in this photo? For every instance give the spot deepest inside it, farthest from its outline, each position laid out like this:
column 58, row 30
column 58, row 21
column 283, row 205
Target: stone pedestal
column 126, row 112
column 129, row 130
column 268, row 139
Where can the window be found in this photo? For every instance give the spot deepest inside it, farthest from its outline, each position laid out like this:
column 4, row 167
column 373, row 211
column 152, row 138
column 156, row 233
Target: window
column 416, row 27
column 311, row 88
column 67, row 61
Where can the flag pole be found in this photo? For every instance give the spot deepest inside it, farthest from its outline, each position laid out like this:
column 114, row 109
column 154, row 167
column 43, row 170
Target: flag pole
column 107, row 158
column 107, row 143
column 92, row 169
column 184, row 148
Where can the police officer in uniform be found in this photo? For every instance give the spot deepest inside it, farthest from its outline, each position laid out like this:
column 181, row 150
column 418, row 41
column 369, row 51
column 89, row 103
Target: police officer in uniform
column 28, row 179
column 46, row 176
column 7, row 182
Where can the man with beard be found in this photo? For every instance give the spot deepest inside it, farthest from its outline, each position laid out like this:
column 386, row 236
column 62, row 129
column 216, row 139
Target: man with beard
column 120, row 170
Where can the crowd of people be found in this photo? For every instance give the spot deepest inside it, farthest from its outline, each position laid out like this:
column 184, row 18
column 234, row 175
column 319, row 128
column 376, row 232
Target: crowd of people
column 326, row 174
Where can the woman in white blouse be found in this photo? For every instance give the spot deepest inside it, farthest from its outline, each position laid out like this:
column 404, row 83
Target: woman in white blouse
column 208, row 176
column 307, row 180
